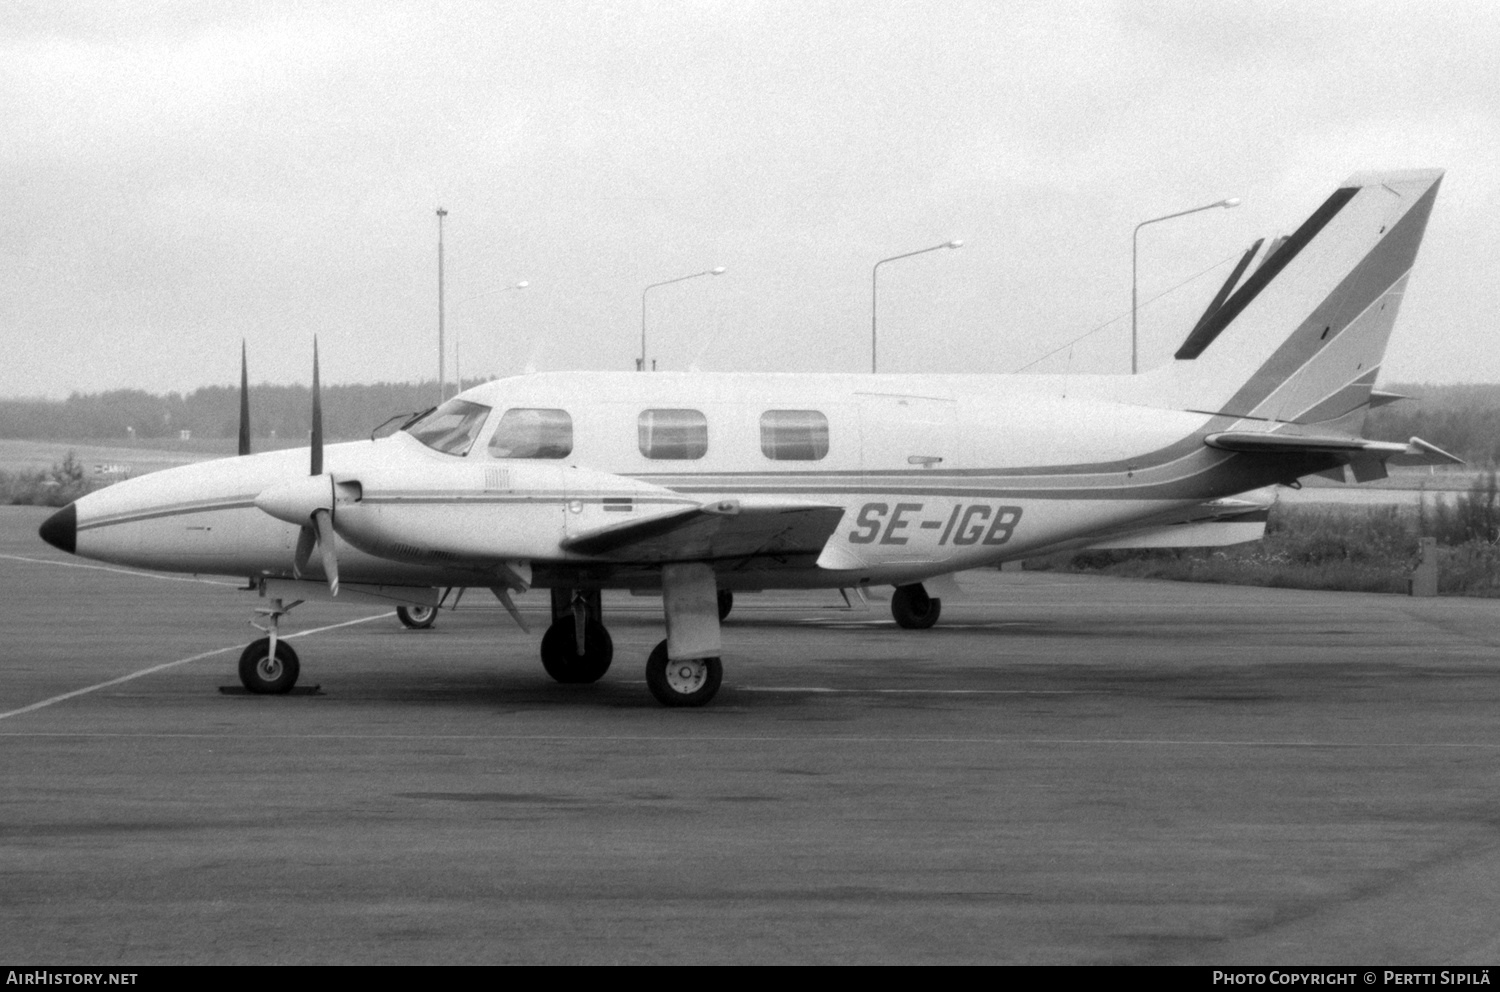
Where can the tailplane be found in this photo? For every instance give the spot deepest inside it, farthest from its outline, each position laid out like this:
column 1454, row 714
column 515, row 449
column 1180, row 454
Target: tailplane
column 1298, row 332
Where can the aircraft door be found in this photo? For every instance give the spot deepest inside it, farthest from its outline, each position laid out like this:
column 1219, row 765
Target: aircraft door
column 904, row 442
column 903, row 434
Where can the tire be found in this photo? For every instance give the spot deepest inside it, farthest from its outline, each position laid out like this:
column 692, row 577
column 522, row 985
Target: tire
column 267, row 676
column 726, row 603
column 417, row 617
column 560, row 655
column 913, row 608
column 682, row 683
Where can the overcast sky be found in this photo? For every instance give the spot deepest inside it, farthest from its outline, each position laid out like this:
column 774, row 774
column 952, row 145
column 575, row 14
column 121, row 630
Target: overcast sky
column 182, row 175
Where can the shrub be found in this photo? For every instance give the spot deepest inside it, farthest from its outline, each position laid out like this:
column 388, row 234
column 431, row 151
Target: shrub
column 57, row 486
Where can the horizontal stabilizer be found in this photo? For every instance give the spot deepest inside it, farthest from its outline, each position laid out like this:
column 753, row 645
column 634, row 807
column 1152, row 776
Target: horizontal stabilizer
column 726, row 529
column 1414, row 452
column 1379, row 397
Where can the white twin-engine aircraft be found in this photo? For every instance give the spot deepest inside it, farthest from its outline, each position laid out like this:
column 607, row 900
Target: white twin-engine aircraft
column 698, row 485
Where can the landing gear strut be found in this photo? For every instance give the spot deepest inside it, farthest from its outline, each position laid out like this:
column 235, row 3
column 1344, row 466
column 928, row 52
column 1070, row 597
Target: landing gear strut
column 577, row 648
column 684, row 670
column 913, row 608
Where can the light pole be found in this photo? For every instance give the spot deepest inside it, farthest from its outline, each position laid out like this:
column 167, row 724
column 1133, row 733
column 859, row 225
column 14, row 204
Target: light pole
column 874, row 287
column 442, row 383
column 640, row 363
column 458, row 374
column 1233, row 201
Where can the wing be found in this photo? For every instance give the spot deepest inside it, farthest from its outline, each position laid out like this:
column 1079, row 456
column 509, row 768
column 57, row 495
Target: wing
column 726, row 529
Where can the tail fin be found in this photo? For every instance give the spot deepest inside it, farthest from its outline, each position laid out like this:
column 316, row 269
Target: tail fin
column 1300, row 337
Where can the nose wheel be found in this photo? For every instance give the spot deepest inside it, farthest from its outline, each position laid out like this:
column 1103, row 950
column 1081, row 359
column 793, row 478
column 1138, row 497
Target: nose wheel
column 268, row 671
column 689, row 682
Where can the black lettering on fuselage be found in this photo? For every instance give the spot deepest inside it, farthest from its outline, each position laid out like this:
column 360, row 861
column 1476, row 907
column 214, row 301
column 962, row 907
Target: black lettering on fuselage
column 966, row 525
column 868, row 521
column 898, row 523
column 971, row 527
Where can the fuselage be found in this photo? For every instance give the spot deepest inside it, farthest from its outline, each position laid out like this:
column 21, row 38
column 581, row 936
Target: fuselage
column 934, row 473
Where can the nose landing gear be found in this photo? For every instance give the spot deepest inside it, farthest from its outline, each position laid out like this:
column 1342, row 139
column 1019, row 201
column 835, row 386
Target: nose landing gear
column 269, row 670
column 269, row 666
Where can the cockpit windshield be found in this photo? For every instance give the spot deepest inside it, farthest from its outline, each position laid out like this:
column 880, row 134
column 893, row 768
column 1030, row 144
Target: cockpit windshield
column 451, row 428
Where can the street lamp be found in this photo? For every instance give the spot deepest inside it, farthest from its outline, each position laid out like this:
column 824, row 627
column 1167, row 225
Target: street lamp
column 442, row 384
column 1233, row 201
column 640, row 363
column 874, row 286
column 457, row 369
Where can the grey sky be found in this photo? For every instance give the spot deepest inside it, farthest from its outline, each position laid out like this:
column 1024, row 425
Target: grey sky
column 181, row 175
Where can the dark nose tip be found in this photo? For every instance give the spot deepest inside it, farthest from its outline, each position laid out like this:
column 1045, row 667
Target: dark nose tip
column 61, row 529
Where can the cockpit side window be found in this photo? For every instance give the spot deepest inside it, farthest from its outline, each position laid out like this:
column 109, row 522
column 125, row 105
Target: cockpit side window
column 451, row 428
column 528, row 432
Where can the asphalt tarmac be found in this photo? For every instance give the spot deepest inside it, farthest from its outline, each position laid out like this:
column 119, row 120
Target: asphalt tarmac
column 1065, row 770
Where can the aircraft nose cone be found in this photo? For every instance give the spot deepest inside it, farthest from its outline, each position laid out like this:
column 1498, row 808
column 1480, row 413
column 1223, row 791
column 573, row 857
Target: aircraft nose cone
column 61, row 529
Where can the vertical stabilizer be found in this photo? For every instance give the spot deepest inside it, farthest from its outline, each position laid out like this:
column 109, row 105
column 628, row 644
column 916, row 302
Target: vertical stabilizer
column 1300, row 338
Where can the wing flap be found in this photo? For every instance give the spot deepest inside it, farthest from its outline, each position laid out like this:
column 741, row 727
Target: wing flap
column 725, row 529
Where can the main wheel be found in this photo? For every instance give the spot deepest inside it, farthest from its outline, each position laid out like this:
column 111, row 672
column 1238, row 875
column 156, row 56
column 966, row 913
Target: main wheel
column 726, row 603
column 560, row 655
column 266, row 674
column 682, row 683
column 913, row 608
column 417, row 617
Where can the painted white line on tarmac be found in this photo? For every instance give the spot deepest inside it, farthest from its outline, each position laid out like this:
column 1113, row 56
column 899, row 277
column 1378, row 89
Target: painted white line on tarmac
column 180, row 661
column 698, row 740
column 124, row 571
column 917, row 692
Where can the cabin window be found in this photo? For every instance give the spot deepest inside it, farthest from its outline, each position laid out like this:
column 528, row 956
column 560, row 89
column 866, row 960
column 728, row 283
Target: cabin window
column 794, row 435
column 673, row 433
column 451, row 428
column 533, row 433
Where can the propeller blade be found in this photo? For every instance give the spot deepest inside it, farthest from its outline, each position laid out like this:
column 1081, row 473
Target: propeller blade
column 317, row 416
column 244, row 401
column 324, row 521
column 306, row 538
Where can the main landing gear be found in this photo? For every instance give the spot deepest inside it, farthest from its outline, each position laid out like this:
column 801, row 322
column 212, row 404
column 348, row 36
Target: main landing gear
column 691, row 682
column 683, row 670
column 913, row 608
column 576, row 648
column 417, row 617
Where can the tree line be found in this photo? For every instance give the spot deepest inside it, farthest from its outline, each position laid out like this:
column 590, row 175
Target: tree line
column 1462, row 419
column 349, row 411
